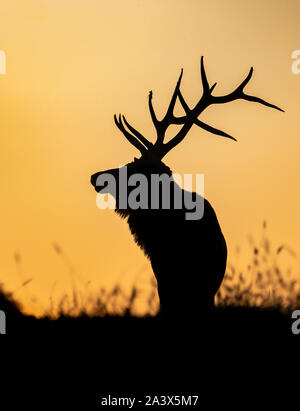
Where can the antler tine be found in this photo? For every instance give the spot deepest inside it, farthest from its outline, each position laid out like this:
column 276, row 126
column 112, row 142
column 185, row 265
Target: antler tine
column 183, row 102
column 246, row 81
column 205, row 84
column 181, row 120
column 169, row 114
column 213, row 130
column 133, row 140
column 212, row 87
column 261, row 101
column 142, row 139
column 238, row 93
column 152, row 112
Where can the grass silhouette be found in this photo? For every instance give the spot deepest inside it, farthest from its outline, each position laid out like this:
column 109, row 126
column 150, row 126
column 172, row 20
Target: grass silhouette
column 263, row 292
column 264, row 283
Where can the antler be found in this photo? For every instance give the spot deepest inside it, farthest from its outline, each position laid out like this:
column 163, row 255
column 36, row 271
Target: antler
column 206, row 100
column 191, row 115
column 169, row 118
column 136, row 139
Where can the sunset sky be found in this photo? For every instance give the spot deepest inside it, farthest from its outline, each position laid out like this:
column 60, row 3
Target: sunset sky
column 72, row 64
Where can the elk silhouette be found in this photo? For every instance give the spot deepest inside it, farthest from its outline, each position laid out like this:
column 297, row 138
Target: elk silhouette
column 188, row 257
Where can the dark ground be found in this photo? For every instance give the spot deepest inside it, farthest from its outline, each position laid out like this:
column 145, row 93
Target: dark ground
column 71, row 363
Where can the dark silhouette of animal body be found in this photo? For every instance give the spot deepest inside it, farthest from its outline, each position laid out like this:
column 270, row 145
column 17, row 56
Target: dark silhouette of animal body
column 188, row 256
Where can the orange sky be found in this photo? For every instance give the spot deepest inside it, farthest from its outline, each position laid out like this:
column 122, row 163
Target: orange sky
column 72, row 64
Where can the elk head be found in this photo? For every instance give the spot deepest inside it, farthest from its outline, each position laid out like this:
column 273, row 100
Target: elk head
column 153, row 153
